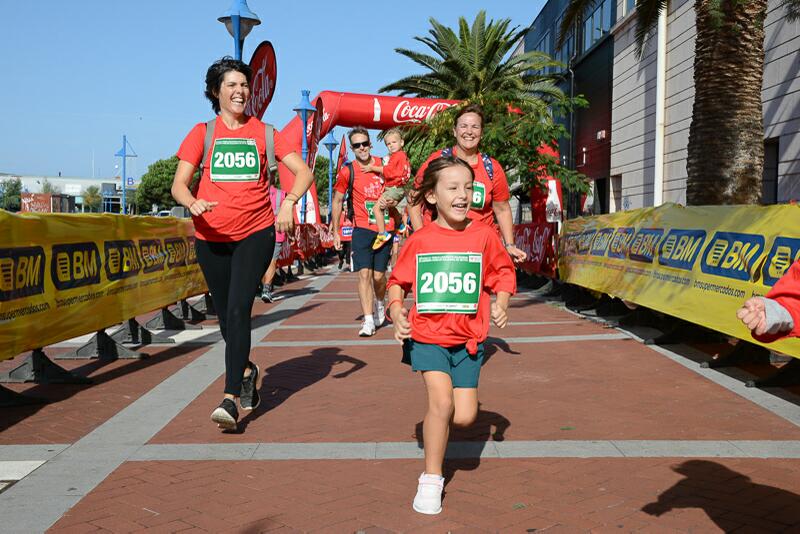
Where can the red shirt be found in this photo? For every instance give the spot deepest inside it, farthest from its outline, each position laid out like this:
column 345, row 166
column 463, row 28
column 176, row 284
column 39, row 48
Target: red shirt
column 397, row 171
column 494, row 189
column 367, row 188
column 787, row 292
column 244, row 204
column 452, row 329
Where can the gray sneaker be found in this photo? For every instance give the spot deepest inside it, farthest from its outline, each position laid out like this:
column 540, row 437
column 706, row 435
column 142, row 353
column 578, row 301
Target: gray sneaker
column 249, row 399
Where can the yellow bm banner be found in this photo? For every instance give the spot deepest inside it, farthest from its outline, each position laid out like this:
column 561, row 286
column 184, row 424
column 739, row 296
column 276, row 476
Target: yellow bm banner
column 698, row 263
column 63, row 276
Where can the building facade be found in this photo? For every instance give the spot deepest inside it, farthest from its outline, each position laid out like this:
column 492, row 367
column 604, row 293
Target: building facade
column 632, row 140
column 587, row 55
column 648, row 156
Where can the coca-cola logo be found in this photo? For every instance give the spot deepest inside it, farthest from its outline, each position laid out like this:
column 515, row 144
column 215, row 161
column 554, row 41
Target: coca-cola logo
column 265, row 74
column 535, row 242
column 406, row 112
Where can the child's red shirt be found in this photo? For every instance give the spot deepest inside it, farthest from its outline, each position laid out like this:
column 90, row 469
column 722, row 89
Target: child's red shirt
column 397, row 171
column 477, row 243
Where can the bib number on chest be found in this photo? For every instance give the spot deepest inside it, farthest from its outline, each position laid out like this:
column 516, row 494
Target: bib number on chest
column 478, row 195
column 449, row 282
column 369, row 204
column 235, row 160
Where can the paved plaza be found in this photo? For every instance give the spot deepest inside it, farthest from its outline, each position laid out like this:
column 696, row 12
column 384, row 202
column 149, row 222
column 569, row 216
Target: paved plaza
column 581, row 428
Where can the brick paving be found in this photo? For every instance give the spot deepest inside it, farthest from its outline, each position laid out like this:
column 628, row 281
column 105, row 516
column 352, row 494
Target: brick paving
column 554, row 391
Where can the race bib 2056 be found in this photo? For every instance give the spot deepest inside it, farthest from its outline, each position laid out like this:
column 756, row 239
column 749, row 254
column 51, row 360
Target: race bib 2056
column 369, row 204
column 449, row 282
column 235, row 160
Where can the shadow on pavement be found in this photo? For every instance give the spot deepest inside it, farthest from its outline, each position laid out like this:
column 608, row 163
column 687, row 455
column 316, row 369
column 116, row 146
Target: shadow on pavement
column 730, row 499
column 466, row 458
column 286, row 378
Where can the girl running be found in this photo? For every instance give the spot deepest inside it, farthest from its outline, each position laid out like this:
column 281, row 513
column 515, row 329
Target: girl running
column 451, row 266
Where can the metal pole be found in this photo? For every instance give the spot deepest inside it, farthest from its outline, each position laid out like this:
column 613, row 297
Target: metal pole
column 124, row 159
column 235, row 21
column 330, row 184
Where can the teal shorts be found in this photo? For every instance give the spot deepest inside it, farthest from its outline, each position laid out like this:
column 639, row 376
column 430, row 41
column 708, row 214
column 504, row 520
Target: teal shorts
column 464, row 369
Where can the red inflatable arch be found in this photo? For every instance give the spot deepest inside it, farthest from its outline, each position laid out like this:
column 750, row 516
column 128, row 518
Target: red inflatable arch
column 348, row 110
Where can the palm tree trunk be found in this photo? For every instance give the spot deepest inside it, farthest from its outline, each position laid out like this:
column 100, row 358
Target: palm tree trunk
column 726, row 136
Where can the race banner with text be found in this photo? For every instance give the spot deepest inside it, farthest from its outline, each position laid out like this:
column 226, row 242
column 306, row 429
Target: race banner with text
column 63, row 276
column 697, row 263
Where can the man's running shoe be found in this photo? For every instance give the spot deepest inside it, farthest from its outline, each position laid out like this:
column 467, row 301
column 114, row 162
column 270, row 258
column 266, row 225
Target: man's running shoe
column 226, row 415
column 367, row 329
column 249, row 398
column 380, row 240
column 380, row 313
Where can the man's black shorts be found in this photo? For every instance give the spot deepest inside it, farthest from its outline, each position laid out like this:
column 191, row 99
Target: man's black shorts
column 363, row 255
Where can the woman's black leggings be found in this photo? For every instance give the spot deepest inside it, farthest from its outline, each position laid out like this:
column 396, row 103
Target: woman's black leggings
column 232, row 271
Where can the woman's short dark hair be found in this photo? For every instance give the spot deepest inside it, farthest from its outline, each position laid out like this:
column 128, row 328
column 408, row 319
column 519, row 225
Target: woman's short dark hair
column 431, row 177
column 470, row 108
column 216, row 74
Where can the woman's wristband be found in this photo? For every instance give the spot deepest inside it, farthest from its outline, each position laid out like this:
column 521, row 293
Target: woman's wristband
column 189, row 207
column 389, row 306
column 290, row 199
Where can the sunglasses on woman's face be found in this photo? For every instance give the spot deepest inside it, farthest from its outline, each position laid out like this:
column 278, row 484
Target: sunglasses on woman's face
column 365, row 144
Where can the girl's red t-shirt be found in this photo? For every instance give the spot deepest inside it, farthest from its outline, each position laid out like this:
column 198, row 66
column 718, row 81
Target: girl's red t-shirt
column 497, row 274
column 236, row 176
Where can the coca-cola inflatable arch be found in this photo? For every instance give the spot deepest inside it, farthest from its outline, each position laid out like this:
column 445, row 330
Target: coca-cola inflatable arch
column 351, row 109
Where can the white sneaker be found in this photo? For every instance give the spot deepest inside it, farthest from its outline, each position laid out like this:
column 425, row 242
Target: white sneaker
column 380, row 313
column 429, row 494
column 367, row 329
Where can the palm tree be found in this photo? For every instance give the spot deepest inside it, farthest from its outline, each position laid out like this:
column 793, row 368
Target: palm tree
column 92, row 198
column 472, row 64
column 726, row 136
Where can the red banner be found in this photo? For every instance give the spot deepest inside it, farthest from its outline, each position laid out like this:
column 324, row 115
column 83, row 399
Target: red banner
column 351, row 109
column 265, row 75
column 538, row 240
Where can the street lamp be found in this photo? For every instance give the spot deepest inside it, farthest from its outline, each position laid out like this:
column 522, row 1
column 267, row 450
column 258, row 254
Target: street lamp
column 239, row 20
column 330, row 143
column 303, row 109
column 124, row 154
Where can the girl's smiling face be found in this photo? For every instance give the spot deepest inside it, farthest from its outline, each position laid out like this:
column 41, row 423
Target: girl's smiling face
column 452, row 197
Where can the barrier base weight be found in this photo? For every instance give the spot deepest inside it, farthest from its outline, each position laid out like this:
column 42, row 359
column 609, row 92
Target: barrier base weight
column 167, row 320
column 38, row 368
column 788, row 375
column 10, row 399
column 206, row 306
column 743, row 352
column 101, row 346
column 187, row 312
column 135, row 334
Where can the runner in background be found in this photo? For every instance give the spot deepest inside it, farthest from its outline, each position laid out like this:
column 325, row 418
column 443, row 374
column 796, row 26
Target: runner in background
column 370, row 264
column 491, row 194
column 451, row 265
column 276, row 196
column 345, row 236
column 234, row 220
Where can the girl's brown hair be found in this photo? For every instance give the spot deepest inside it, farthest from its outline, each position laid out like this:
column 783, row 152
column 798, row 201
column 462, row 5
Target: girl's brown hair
column 431, row 177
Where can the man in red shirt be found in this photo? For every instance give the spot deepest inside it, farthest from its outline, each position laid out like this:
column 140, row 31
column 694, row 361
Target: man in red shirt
column 368, row 263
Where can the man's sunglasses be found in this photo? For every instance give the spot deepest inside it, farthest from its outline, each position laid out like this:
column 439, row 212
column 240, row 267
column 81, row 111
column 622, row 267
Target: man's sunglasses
column 365, row 144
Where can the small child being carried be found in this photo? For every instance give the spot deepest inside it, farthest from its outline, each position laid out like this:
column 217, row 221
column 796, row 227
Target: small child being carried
column 396, row 172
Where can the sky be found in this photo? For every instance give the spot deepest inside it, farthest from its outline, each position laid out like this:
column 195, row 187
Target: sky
column 79, row 74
